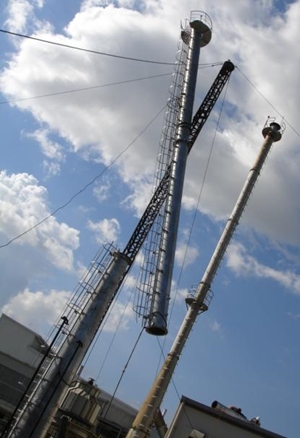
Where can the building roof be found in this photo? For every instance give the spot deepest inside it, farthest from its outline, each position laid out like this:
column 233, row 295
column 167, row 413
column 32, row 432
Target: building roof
column 221, row 415
column 20, row 342
column 14, row 322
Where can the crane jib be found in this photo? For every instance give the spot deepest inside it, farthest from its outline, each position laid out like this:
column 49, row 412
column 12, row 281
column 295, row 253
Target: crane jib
column 134, row 244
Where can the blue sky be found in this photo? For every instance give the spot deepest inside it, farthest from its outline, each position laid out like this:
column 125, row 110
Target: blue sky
column 244, row 351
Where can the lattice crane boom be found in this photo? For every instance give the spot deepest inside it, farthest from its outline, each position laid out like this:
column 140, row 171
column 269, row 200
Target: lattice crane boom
column 145, row 223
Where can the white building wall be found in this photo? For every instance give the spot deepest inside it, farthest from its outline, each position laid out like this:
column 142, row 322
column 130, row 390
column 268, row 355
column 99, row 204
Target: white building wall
column 18, row 341
column 20, row 353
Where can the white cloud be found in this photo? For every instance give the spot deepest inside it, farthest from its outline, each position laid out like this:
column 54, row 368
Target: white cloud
column 101, row 191
column 186, row 255
column 51, row 168
column 50, row 149
column 216, row 326
column 36, row 310
column 106, row 230
column 119, row 317
column 23, row 203
column 87, row 4
column 294, row 316
column 142, row 192
column 18, row 12
column 243, row 264
column 180, row 294
column 78, row 119
column 130, row 282
column 100, row 123
column 125, row 110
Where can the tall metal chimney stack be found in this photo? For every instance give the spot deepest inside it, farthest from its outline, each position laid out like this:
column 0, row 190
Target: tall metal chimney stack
column 197, row 35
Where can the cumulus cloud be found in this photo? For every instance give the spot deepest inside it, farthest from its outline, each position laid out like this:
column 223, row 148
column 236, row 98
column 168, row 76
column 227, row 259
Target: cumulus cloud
column 38, row 309
column 178, row 293
column 20, row 15
column 115, row 27
column 18, row 12
column 101, row 192
column 106, row 230
column 140, row 195
column 130, row 282
column 242, row 264
column 23, row 203
column 186, row 255
column 51, row 149
column 78, row 119
column 99, row 124
column 294, row 316
column 51, row 168
column 215, row 326
column 119, row 317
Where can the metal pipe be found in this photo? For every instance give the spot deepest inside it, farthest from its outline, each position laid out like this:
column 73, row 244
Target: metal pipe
column 157, row 319
column 144, row 420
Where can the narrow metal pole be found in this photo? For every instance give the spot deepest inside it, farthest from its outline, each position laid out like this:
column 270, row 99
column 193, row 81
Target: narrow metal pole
column 144, row 420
